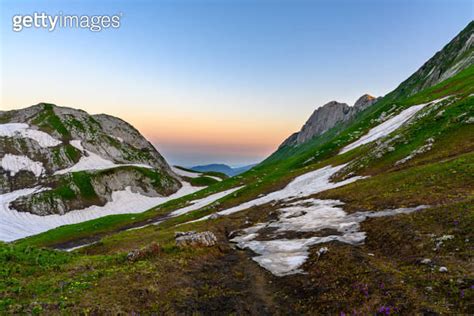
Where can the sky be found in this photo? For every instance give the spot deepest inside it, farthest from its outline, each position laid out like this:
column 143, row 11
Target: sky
column 220, row 81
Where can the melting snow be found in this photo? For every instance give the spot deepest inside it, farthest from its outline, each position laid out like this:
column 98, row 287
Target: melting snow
column 194, row 205
column 93, row 161
column 283, row 256
column 23, row 130
column 185, row 173
column 14, row 164
column 307, row 184
column 15, row 225
column 388, row 126
column 197, row 204
column 213, row 177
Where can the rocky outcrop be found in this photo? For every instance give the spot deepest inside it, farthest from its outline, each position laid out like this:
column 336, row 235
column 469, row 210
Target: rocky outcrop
column 326, row 117
column 44, row 144
column 109, row 137
column 84, row 189
column 193, row 239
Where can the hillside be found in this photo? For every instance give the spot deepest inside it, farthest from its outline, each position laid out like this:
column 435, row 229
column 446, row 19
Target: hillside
column 372, row 214
column 61, row 166
column 222, row 168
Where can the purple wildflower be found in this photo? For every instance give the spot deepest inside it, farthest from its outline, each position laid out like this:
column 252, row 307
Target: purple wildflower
column 384, row 310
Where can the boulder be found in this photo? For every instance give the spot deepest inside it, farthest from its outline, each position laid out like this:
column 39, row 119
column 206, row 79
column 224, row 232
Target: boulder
column 140, row 254
column 193, row 239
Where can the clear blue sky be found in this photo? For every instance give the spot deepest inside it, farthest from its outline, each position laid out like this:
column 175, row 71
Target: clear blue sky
column 221, row 81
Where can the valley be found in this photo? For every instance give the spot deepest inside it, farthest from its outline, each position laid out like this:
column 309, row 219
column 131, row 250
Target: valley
column 368, row 209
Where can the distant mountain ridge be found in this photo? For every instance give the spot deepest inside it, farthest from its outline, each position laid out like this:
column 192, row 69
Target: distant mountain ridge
column 225, row 169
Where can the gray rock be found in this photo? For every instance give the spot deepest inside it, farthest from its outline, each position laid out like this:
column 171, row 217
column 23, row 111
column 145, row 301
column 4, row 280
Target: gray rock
column 193, row 239
column 426, row 261
column 322, row 251
column 215, row 216
column 326, row 117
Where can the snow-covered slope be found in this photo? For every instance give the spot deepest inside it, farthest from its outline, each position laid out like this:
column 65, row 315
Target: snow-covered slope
column 307, row 184
column 15, row 225
column 62, row 161
column 390, row 125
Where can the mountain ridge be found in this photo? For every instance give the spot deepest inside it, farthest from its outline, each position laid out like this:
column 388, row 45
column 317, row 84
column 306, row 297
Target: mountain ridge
column 219, row 167
column 326, row 117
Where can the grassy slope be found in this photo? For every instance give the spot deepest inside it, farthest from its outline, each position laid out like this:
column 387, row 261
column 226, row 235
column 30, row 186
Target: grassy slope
column 100, row 279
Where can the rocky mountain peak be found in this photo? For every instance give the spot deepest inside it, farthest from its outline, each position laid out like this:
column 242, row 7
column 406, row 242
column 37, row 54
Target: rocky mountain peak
column 328, row 116
column 364, row 102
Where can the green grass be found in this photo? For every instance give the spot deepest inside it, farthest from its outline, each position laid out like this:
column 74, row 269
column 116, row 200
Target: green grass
column 76, row 124
column 202, row 181
column 82, row 180
column 5, row 117
column 49, row 121
column 72, row 152
column 429, row 184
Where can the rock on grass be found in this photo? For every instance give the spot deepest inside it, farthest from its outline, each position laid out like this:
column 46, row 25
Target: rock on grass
column 193, row 239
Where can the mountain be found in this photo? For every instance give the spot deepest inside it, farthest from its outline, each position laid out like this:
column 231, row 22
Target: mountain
column 326, row 117
column 223, row 168
column 456, row 56
column 81, row 159
column 373, row 216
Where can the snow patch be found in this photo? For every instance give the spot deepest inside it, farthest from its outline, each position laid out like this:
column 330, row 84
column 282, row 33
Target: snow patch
column 23, row 130
column 194, row 205
column 77, row 144
column 213, row 177
column 307, row 184
column 14, row 164
column 92, row 161
column 197, row 204
column 185, row 173
column 388, row 126
column 15, row 225
column 283, row 256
